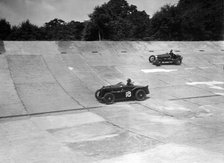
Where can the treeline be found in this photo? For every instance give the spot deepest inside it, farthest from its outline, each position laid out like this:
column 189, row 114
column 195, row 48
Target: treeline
column 56, row 29
column 189, row 20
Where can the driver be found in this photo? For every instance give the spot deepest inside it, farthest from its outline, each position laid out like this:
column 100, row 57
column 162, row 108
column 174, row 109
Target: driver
column 171, row 53
column 129, row 82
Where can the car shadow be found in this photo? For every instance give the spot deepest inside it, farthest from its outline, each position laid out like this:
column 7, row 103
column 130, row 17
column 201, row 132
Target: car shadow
column 166, row 64
column 124, row 101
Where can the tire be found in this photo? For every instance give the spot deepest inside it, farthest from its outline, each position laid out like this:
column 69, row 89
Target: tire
column 108, row 98
column 140, row 95
column 178, row 62
column 158, row 63
column 152, row 58
column 97, row 94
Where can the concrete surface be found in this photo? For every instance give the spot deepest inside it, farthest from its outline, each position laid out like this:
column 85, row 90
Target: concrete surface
column 48, row 112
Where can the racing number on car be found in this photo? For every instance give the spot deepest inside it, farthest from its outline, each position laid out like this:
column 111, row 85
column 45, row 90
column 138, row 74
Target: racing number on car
column 128, row 94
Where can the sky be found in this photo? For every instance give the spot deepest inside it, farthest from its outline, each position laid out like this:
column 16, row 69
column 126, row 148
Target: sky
column 42, row 11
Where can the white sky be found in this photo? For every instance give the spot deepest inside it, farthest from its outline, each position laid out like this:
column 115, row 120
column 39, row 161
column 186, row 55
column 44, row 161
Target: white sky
column 42, row 11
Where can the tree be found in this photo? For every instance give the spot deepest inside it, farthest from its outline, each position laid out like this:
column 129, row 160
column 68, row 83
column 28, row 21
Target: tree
column 100, row 19
column 90, row 32
column 120, row 29
column 140, row 23
column 202, row 20
column 26, row 31
column 190, row 20
column 74, row 30
column 165, row 24
column 5, row 29
column 54, row 29
column 117, row 20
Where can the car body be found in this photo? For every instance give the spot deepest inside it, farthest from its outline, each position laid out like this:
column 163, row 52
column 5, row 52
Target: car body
column 166, row 58
column 120, row 91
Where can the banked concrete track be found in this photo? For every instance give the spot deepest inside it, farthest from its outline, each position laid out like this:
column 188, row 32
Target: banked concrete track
column 49, row 113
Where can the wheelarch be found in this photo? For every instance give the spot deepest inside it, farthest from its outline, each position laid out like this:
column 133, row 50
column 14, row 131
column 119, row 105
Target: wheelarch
column 98, row 94
column 134, row 90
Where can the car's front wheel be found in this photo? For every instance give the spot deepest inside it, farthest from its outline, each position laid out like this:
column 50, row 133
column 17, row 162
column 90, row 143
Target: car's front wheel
column 140, row 95
column 152, row 58
column 108, row 98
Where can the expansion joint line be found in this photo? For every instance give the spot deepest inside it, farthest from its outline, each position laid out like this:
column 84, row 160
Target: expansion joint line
column 50, row 112
column 11, row 76
column 160, row 112
column 148, row 137
column 60, row 84
column 187, row 98
column 91, row 69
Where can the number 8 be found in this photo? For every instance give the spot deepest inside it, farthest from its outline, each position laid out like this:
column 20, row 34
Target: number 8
column 128, row 94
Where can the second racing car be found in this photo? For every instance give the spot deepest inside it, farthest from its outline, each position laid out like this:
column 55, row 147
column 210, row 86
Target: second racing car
column 167, row 58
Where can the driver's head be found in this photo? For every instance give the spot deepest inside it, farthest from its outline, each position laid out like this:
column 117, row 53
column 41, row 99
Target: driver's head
column 171, row 51
column 128, row 80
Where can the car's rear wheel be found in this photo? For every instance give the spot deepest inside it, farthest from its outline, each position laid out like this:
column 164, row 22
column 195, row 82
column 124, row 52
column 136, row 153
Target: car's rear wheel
column 97, row 94
column 158, row 63
column 108, row 98
column 152, row 58
column 140, row 95
column 178, row 62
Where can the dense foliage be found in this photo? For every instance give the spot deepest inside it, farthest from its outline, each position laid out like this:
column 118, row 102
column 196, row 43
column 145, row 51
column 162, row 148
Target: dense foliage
column 117, row 20
column 201, row 20
column 5, row 29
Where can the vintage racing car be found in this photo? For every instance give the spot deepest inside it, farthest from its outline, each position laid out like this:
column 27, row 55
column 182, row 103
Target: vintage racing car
column 169, row 58
column 120, row 91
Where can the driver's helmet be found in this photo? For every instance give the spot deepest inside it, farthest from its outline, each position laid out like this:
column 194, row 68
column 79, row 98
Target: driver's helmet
column 171, row 53
column 129, row 82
